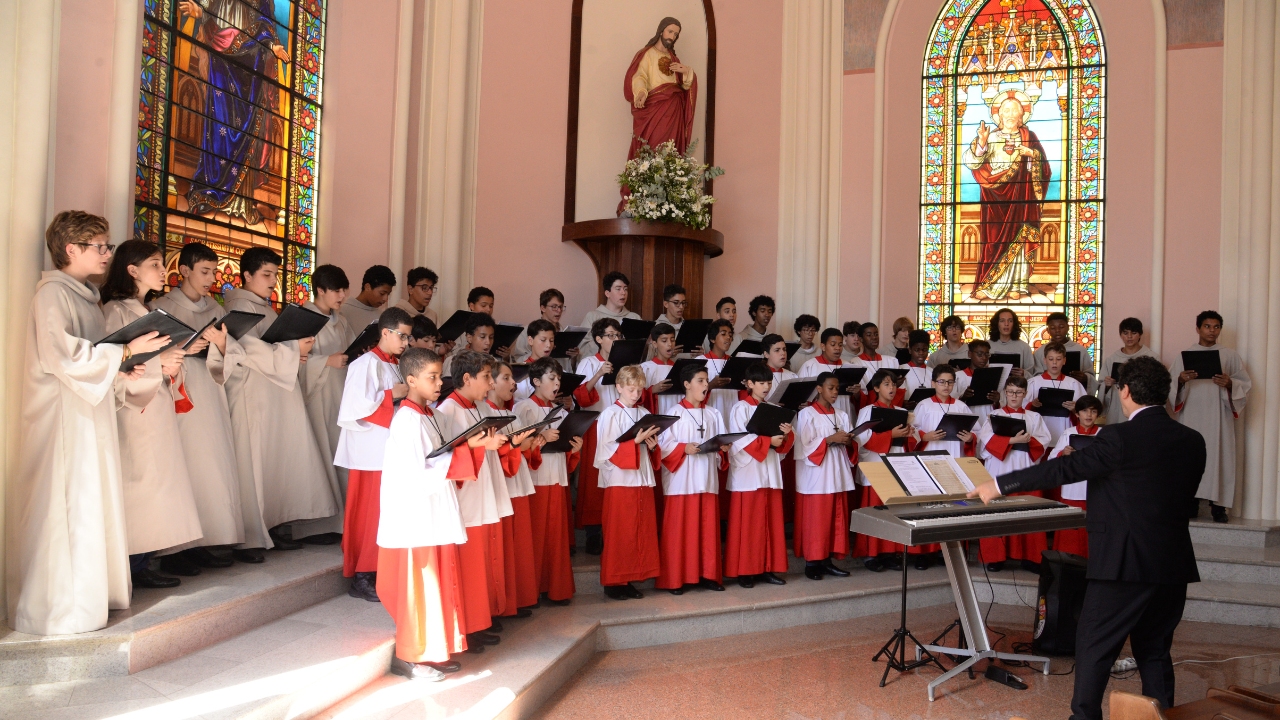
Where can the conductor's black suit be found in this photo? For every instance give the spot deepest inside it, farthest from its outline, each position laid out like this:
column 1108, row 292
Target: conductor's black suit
column 1142, row 476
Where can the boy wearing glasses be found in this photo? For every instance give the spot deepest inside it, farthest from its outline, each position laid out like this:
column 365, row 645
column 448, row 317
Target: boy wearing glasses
column 422, row 287
column 551, row 309
column 591, row 395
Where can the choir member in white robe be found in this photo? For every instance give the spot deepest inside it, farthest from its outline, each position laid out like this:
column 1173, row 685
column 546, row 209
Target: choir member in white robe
column 1052, row 378
column 519, row 568
column 919, row 374
column 690, row 542
column 929, row 414
column 806, row 328
column 373, row 385
column 323, row 378
column 616, row 290
column 420, row 288
column 1211, row 406
column 824, row 476
column 829, row 360
column 1076, row 541
column 1003, row 455
column 724, row 391
column 756, row 546
column 205, row 429
column 657, row 397
column 375, row 290
column 674, row 302
column 68, row 562
column 1005, row 338
column 874, row 361
column 1058, row 326
column 421, row 527
column 160, row 509
column 594, row 395
column 539, row 340
column 1131, row 336
column 268, row 415
column 630, row 553
column 953, row 346
column 979, row 357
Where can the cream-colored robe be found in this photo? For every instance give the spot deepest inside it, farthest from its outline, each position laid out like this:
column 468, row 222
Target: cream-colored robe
column 159, row 507
column 1212, row 411
column 322, row 389
column 206, row 431
column 274, row 442
column 66, row 552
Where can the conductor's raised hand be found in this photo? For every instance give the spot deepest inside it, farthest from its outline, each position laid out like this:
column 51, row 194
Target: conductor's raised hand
column 150, row 342
column 987, row 491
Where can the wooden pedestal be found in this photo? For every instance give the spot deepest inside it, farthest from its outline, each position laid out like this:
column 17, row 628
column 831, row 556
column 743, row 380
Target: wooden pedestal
column 651, row 254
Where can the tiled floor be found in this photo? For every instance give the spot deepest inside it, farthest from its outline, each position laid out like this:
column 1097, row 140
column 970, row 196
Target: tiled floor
column 824, row 671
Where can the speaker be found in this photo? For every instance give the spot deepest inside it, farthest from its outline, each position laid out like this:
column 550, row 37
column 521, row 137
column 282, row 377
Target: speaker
column 1060, row 599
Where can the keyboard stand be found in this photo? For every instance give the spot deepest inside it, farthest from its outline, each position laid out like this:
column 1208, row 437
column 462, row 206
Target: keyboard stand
column 970, row 621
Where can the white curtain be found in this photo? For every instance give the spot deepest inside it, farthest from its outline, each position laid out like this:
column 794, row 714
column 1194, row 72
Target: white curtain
column 28, row 49
column 809, row 188
column 1249, row 279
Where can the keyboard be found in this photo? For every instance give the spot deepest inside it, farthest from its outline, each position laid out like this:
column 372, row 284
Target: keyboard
column 954, row 520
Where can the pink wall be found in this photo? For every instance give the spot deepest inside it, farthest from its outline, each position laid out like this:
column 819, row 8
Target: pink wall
column 855, row 207
column 83, row 105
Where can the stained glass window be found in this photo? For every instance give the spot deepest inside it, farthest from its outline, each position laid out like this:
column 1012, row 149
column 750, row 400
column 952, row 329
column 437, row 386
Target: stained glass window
column 1011, row 200
column 229, row 133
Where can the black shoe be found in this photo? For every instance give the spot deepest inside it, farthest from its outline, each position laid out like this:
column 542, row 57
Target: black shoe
column 483, row 638
column 873, row 564
column 923, row 562
column 814, row 572
column 253, row 556
column 709, row 584
column 632, row 592
column 595, row 545
column 561, row 603
column 524, row 612
column 773, row 579
column 176, row 564
column 363, row 587
column 1031, row 567
column 830, row 568
column 496, row 626
column 473, row 648
column 152, row 579
column 677, row 591
column 1219, row 513
column 451, row 666
column 280, row 543
column 325, row 539
column 415, row 671
column 201, row 557
column 995, row 566
column 893, row 561
column 746, row 581
column 616, row 592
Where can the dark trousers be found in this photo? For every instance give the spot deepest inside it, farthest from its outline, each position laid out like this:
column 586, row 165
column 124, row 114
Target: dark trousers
column 1146, row 614
column 139, row 562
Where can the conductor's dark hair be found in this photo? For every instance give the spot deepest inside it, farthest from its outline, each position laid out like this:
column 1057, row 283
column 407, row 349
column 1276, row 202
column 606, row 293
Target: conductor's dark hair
column 1057, row 316
column 254, row 258
column 760, row 301
column 601, row 326
column 661, row 329
column 470, row 362
column 768, row 341
column 1088, row 402
column 689, row 372
column 480, row 320
column 943, row 369
column 545, row 298
column 831, row 333
column 1134, row 325
column 994, row 329
column 851, row 328
column 424, row 328
column 714, row 329
column 539, row 326
column 758, row 372
column 392, row 318
column 195, row 252
column 1147, row 379
column 673, row 290
column 725, row 301
column 377, row 276
column 419, row 274
column 543, row 367
column 877, row 379
column 915, row 337
column 120, row 285
column 329, row 277
column 612, row 277
column 478, row 292
column 1055, row 347
column 949, row 321
column 1206, row 315
column 804, row 322
column 415, row 360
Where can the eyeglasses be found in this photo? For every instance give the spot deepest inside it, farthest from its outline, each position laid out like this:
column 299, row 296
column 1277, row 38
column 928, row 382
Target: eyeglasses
column 424, row 287
column 678, row 303
column 103, row 248
column 613, row 336
column 944, row 382
column 1015, row 393
column 402, row 336
column 554, row 308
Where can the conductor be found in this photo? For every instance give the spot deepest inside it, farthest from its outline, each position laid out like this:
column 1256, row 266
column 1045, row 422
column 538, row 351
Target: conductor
column 1142, row 475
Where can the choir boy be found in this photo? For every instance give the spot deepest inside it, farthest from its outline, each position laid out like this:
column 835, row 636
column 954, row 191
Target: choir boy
column 775, row 357
column 1005, row 336
column 483, row 504
column 1003, row 455
column 1131, row 337
column 662, row 338
column 879, row 554
column 869, row 333
column 675, row 301
column 420, row 526
column 899, row 342
column 953, row 346
column 756, row 547
column 806, row 328
column 1055, row 357
column 852, row 342
column 422, row 287
column 824, row 476
column 929, row 414
column 480, row 299
column 1088, row 410
column 322, row 380
column 1211, row 406
column 517, row 529
column 426, row 336
column 550, row 308
column 630, row 553
column 206, row 428
column 540, row 340
column 827, row 361
column 760, row 310
column 719, row 339
column 375, row 288
column 68, row 402
column 268, row 413
column 549, row 505
column 595, row 396
column 478, row 337
column 372, row 388
column 1058, row 326
column 918, row 373
column 616, row 290
column 727, row 309
column 979, row 357
column 159, row 506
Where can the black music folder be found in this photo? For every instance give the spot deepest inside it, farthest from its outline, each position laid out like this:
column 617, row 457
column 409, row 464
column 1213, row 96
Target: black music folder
column 546, row 420
column 899, row 372
column 633, row 329
column 887, row 418
column 567, row 340
column 1073, row 362
column 954, row 423
column 155, row 321
column 735, row 368
column 750, row 347
column 519, row 372
column 1005, row 426
column 1206, row 363
column 693, row 333
column 295, row 323
column 662, row 422
column 505, row 334
column 793, row 393
column 792, row 349
column 960, row 363
column 238, row 323
column 575, row 425
column 622, row 354
column 1080, row 442
column 715, row 443
column 850, row 379
column 1013, row 359
column 919, row 395
column 365, row 342
column 1115, row 370
column 570, row 382
column 455, row 325
column 677, row 387
column 496, row 423
column 767, row 418
column 985, row 381
column 253, row 319
column 1051, row 400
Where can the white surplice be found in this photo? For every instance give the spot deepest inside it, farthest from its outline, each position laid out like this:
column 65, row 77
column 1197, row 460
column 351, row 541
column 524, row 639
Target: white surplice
column 1036, row 383
column 520, row 484
column 66, row 550
column 745, row 472
column 1110, row 396
column 722, row 399
column 1212, row 411
column 655, row 371
column 485, row 501
column 834, row 472
column 929, row 413
column 419, row 503
column 1013, row 459
column 588, row 345
column 322, row 393
column 613, row 422
column 1077, row 490
column 1086, row 363
column 554, row 469
column 698, row 473
column 819, row 365
column 608, row 393
column 864, row 438
column 370, row 382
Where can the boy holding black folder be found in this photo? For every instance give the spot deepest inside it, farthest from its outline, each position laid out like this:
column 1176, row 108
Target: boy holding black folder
column 592, row 394
column 828, row 361
column 1132, row 347
column 478, row 338
column 375, row 289
column 756, row 547
column 873, row 442
column 1088, row 410
column 824, row 477
column 1059, row 326
column 930, row 413
column 616, row 290
column 662, row 342
column 284, row 477
column 1057, row 411
column 539, row 340
column 979, row 364
column 919, row 375
column 719, row 340
column 519, row 566
column 1210, row 401
column 550, row 309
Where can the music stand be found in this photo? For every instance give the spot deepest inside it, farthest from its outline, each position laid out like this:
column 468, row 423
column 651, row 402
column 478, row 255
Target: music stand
column 895, row 649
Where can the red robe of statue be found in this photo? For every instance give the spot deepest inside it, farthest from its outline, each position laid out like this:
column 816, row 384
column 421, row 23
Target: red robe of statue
column 1011, row 206
column 667, row 113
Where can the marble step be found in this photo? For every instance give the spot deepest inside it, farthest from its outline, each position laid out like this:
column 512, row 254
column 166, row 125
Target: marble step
column 162, row 625
column 1237, row 532
column 1230, row 563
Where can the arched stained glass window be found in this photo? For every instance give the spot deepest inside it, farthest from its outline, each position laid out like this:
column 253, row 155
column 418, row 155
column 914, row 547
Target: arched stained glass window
column 1011, row 201
column 228, row 133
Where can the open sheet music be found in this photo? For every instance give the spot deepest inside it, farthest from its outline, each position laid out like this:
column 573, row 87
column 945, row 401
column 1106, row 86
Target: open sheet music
column 928, row 473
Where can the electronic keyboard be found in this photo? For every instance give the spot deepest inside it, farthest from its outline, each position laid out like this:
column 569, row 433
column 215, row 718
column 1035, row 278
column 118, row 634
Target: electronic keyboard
column 940, row 521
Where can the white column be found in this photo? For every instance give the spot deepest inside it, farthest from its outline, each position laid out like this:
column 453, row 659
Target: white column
column 28, row 74
column 809, row 186
column 1249, row 279
column 122, row 128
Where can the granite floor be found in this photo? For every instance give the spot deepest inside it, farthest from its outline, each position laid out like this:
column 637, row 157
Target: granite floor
column 824, row 671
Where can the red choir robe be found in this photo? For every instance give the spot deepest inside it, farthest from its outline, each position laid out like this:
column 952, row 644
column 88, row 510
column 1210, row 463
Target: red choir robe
column 517, row 529
column 824, row 477
column 757, row 541
column 1075, row 541
column 548, row 506
column 690, row 534
column 628, row 517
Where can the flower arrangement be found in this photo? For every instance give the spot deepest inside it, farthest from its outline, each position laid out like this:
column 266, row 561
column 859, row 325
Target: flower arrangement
column 666, row 185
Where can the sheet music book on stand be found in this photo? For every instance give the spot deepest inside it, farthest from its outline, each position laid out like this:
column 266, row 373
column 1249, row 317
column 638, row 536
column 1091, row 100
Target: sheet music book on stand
column 575, row 424
column 295, row 323
column 157, row 321
column 908, row 477
column 496, row 423
column 673, row 375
